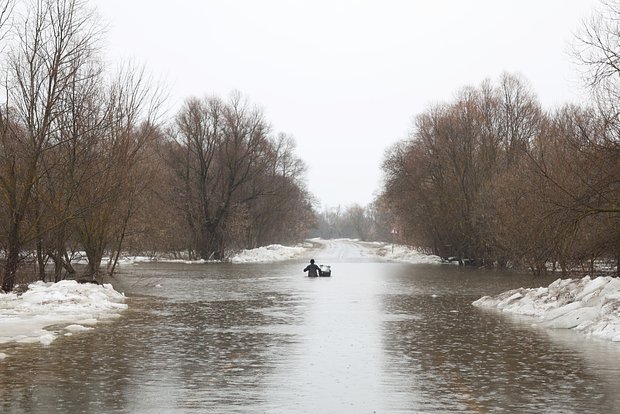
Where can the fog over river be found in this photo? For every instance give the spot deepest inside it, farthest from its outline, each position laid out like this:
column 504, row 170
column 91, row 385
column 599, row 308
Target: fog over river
column 377, row 336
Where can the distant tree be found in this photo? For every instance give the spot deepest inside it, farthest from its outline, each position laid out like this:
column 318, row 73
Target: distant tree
column 283, row 213
column 358, row 221
column 237, row 186
column 353, row 221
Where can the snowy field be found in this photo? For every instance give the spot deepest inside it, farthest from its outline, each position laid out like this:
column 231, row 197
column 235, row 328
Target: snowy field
column 591, row 306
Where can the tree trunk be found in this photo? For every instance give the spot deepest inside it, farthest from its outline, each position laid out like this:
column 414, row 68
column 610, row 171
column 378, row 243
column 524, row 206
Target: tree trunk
column 40, row 260
column 564, row 267
column 94, row 265
column 58, row 265
column 95, row 256
column 10, row 269
column 212, row 243
column 12, row 258
column 61, row 261
column 120, row 244
column 67, row 264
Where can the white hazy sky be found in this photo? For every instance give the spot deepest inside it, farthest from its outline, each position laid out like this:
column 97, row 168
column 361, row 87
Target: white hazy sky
column 346, row 77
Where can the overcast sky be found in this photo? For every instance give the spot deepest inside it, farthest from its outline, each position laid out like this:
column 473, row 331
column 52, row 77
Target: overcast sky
column 346, row 77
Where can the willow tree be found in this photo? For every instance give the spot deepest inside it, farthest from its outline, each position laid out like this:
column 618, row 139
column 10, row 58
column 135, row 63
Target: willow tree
column 235, row 185
column 440, row 184
column 220, row 147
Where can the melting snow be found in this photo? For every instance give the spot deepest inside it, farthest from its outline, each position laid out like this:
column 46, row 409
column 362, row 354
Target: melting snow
column 400, row 253
column 46, row 309
column 591, row 306
column 271, row 253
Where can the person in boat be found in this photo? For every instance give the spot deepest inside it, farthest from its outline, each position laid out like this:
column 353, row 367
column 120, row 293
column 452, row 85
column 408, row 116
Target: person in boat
column 312, row 269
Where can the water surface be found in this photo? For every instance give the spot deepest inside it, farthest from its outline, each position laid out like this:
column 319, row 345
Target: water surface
column 375, row 337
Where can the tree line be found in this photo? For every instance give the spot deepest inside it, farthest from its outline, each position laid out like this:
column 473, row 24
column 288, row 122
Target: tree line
column 366, row 223
column 492, row 178
column 87, row 164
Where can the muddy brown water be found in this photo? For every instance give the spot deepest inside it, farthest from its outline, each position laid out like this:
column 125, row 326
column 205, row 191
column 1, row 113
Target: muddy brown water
column 376, row 337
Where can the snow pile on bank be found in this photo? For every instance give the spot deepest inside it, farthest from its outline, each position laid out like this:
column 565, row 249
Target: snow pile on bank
column 46, row 310
column 271, row 253
column 591, row 306
column 400, row 253
column 130, row 260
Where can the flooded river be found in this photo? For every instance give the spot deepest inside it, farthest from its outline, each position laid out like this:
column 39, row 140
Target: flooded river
column 374, row 338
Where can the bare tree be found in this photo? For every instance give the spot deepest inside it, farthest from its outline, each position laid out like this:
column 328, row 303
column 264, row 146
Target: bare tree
column 53, row 42
column 116, row 163
column 6, row 15
column 224, row 144
column 440, row 184
column 282, row 213
column 597, row 49
column 238, row 186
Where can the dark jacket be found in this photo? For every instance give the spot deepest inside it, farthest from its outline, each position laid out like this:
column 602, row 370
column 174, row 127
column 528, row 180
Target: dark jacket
column 312, row 269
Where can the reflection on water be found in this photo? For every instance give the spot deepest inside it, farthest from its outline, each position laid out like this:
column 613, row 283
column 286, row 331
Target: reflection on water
column 375, row 337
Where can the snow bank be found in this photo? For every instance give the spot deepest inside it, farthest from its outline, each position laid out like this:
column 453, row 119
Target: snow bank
column 46, row 310
column 400, row 253
column 591, row 306
column 129, row 260
column 278, row 252
column 271, row 253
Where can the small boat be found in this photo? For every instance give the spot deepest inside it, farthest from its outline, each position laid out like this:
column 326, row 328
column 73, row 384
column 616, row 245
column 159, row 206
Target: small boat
column 325, row 270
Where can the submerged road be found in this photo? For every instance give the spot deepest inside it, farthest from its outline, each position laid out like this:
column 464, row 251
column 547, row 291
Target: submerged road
column 264, row 338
